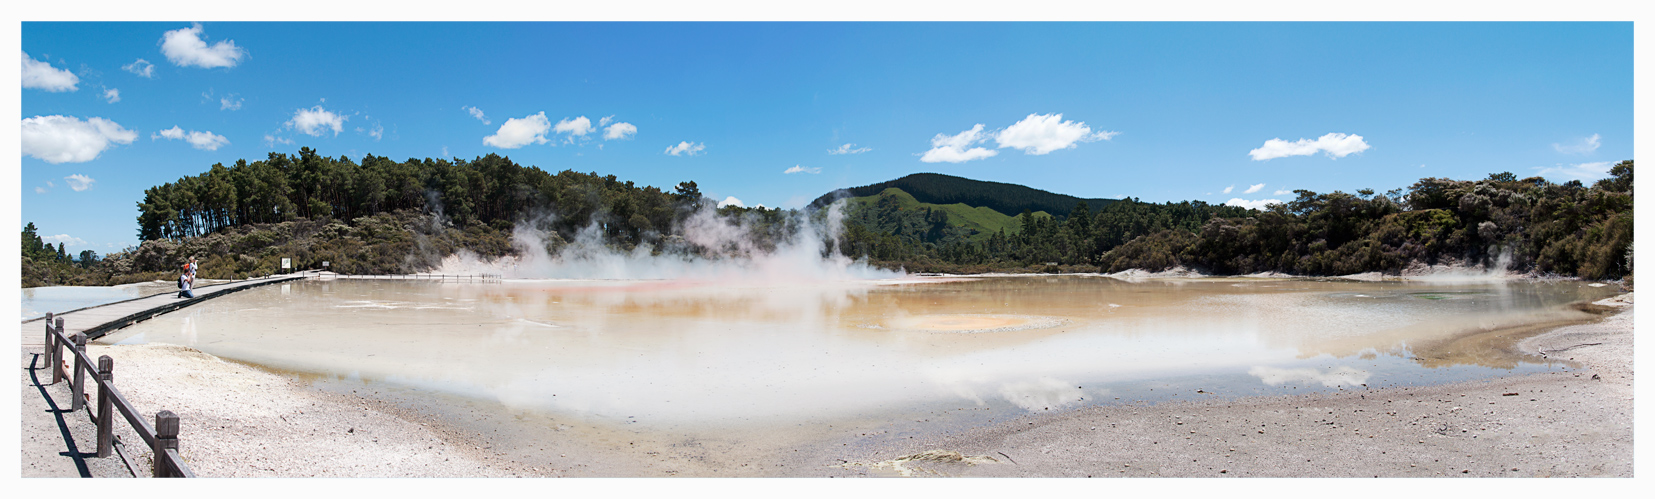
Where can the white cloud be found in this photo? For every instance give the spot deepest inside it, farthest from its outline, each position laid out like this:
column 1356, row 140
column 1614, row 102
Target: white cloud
column 1335, row 145
column 206, row 141
column 605, row 120
column 1042, row 393
column 229, row 102
column 185, row 47
column 141, row 67
column 79, row 182
column 315, row 121
column 802, row 169
column 731, row 201
column 66, row 139
column 1339, row 376
column 112, row 95
column 378, row 132
column 39, row 190
column 271, row 140
column 1253, row 188
column 953, row 148
column 1580, row 171
column 618, row 131
column 1584, row 146
column 41, row 75
column 849, row 149
column 519, row 132
column 1228, row 189
column 577, row 127
column 476, row 113
column 65, row 239
column 1043, row 133
column 173, row 133
column 1256, row 205
column 687, row 149
column 1281, row 192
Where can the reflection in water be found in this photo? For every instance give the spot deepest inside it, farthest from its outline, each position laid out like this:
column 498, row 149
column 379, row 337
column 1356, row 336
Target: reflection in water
column 1332, row 378
column 707, row 353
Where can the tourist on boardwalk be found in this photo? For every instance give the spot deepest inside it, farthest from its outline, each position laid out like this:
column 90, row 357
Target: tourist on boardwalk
column 193, row 266
column 185, row 280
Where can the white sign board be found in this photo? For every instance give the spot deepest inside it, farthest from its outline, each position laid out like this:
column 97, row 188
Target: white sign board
column 287, row 263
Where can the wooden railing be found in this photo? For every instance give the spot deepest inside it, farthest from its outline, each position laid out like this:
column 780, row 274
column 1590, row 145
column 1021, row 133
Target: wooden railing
column 162, row 438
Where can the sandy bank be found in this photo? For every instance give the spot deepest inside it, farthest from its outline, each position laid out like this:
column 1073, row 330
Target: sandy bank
column 239, row 421
column 1576, row 423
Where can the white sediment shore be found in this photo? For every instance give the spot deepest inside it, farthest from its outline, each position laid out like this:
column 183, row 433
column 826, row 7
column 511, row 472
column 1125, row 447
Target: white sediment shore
column 1573, row 424
column 241, row 421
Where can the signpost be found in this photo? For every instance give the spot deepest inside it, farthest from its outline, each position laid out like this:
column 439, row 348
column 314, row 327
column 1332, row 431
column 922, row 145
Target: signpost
column 287, row 263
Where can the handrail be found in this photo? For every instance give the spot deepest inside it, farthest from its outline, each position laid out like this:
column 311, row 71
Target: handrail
column 167, row 463
column 178, row 463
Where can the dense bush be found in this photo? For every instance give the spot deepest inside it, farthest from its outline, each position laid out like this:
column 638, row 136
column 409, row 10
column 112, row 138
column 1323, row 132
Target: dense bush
column 1566, row 229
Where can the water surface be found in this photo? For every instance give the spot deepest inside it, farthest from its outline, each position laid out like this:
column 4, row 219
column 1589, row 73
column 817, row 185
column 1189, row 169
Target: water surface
column 59, row 299
column 703, row 354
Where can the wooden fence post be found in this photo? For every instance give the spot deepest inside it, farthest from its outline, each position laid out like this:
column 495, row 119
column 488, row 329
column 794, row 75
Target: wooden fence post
column 46, row 348
column 57, row 354
column 106, row 405
column 166, row 437
column 77, row 388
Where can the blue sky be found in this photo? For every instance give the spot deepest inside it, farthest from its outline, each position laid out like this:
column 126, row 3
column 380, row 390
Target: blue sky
column 1158, row 111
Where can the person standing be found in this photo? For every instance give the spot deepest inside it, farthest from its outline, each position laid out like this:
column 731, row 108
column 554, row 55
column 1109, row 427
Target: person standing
column 193, row 266
column 186, row 280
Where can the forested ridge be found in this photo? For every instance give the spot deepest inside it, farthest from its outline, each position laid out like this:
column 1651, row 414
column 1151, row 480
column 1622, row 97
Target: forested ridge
column 378, row 215
column 936, row 188
column 1567, row 229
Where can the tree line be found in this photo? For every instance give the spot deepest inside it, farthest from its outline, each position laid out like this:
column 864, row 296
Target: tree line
column 377, row 215
column 1534, row 224
column 491, row 190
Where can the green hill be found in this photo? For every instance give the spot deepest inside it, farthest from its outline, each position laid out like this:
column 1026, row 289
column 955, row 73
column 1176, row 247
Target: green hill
column 982, row 220
column 939, row 189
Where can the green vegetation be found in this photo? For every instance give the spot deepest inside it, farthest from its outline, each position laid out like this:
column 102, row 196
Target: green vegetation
column 1565, row 229
column 895, row 211
column 491, row 190
column 936, row 188
column 383, row 216
column 44, row 263
column 893, row 230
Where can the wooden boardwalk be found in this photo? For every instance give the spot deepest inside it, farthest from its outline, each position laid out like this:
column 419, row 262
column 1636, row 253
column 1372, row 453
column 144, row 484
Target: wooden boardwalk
column 56, row 440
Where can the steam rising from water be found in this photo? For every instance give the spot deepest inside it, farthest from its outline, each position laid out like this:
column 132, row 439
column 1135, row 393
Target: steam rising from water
column 1497, row 270
column 712, row 247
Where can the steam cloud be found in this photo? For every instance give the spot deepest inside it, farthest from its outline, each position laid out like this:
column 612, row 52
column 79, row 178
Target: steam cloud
column 712, row 247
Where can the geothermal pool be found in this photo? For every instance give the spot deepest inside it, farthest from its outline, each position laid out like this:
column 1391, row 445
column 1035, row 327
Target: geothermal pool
column 682, row 354
column 59, row 299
